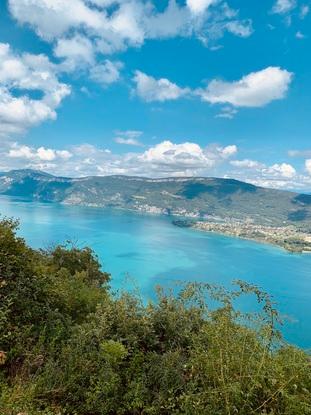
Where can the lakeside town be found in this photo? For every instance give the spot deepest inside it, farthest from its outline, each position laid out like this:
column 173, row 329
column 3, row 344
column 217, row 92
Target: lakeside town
column 288, row 237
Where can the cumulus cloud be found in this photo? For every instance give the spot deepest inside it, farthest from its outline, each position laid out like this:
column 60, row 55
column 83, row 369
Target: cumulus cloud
column 172, row 156
column 51, row 18
column 256, row 89
column 20, row 76
column 163, row 159
column 82, row 31
column 278, row 175
column 199, row 6
column 308, row 165
column 185, row 159
column 128, row 23
column 150, row 89
column 283, row 6
column 106, row 73
column 76, row 52
column 40, row 154
column 283, row 170
column 253, row 90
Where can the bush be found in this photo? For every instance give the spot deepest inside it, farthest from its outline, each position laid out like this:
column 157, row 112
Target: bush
column 70, row 347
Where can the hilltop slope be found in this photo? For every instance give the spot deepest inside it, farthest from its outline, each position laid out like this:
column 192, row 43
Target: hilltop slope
column 194, row 197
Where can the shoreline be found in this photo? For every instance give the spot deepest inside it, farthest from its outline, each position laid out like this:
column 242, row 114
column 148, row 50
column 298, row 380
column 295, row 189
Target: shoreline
column 287, row 237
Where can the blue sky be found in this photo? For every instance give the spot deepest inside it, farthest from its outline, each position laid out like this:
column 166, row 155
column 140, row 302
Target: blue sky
column 165, row 88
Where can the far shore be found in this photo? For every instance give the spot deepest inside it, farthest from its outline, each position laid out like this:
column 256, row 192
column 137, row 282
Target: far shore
column 286, row 237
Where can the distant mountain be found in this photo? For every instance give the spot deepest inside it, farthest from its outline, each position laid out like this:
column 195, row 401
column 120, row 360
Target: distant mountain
column 195, row 197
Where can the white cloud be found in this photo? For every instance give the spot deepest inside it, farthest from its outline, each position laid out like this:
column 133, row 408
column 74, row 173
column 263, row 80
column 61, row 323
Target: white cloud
column 300, row 35
column 82, row 31
column 222, row 19
column 278, row 175
column 63, row 154
column 308, row 166
column 304, row 11
column 174, row 21
column 199, row 6
column 166, row 152
column 284, row 169
column 227, row 151
column 36, row 155
column 247, row 164
column 128, row 23
column 128, row 141
column 20, row 75
column 53, row 18
column 239, row 28
column 185, row 159
column 24, row 152
column 150, row 89
column 129, row 133
column 106, row 73
column 299, row 153
column 129, row 137
column 163, row 159
column 254, row 90
column 283, row 6
column 227, row 112
column 46, row 154
column 77, row 51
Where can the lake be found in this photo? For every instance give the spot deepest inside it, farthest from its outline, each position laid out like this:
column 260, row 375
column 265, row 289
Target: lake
column 148, row 250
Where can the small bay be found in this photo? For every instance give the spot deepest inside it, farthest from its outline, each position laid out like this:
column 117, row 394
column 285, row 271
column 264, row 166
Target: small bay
column 147, row 250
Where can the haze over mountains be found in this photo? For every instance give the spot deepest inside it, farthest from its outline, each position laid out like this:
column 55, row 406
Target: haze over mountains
column 198, row 197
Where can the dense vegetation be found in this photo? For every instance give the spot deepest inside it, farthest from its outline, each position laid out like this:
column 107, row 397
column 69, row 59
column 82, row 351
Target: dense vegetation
column 196, row 196
column 68, row 346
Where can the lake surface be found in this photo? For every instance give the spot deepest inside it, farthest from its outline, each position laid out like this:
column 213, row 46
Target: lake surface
column 149, row 250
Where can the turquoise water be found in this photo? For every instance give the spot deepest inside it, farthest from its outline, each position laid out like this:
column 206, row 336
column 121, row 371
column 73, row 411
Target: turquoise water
column 149, row 250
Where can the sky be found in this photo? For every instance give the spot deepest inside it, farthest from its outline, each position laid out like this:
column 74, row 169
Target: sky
column 163, row 88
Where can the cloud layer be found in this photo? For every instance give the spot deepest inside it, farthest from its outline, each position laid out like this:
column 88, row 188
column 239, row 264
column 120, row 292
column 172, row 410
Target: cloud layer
column 161, row 160
column 165, row 159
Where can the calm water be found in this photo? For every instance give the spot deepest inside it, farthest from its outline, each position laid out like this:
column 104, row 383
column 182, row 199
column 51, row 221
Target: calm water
column 150, row 250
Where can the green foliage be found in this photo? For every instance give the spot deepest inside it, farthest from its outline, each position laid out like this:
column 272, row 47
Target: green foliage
column 68, row 347
column 42, row 294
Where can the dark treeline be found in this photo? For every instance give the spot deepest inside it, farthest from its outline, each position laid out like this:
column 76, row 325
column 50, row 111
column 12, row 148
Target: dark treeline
column 69, row 346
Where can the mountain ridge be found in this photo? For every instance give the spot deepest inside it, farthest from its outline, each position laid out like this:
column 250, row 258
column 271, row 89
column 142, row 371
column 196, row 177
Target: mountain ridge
column 196, row 197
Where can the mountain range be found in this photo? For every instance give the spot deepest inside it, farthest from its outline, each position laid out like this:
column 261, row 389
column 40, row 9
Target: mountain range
column 197, row 197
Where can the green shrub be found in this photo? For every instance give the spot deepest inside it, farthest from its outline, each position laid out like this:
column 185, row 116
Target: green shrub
column 69, row 347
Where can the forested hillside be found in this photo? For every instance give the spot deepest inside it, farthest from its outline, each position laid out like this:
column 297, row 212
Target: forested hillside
column 68, row 346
